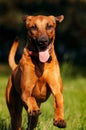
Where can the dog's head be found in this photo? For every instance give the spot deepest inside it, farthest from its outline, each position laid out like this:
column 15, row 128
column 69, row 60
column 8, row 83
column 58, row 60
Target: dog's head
column 41, row 33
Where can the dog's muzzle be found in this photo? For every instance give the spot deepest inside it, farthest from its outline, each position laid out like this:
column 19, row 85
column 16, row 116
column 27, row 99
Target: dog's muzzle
column 42, row 46
column 42, row 42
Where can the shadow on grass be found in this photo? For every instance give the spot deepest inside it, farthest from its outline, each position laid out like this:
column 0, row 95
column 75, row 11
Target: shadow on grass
column 68, row 68
column 4, row 124
column 71, row 70
column 4, row 69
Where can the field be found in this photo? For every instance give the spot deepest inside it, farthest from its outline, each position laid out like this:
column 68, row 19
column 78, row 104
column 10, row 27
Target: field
column 74, row 99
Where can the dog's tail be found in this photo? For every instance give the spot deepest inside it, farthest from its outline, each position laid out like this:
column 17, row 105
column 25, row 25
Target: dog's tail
column 11, row 58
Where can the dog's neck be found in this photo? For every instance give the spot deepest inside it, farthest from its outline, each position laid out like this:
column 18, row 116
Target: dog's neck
column 39, row 66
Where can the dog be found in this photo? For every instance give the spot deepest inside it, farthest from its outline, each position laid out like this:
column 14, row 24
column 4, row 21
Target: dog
column 37, row 74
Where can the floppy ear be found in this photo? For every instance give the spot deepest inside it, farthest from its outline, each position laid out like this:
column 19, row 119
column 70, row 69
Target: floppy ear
column 24, row 18
column 59, row 18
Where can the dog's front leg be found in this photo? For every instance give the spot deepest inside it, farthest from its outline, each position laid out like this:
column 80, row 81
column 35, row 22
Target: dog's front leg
column 32, row 109
column 27, row 83
column 55, row 84
column 30, row 103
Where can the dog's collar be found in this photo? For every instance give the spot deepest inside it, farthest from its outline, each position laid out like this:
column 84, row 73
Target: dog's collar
column 32, row 53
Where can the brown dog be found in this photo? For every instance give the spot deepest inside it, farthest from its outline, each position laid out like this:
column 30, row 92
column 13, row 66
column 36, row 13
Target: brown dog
column 37, row 75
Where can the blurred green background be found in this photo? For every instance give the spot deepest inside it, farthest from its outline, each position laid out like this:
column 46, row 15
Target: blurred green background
column 70, row 34
column 70, row 47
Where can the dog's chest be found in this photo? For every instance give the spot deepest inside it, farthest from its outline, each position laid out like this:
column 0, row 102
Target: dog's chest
column 40, row 90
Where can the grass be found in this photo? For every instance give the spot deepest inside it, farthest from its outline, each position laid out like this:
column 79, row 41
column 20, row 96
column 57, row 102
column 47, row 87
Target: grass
column 74, row 100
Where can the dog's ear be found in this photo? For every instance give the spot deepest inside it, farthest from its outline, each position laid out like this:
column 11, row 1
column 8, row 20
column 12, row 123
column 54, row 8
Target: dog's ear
column 24, row 18
column 59, row 18
column 27, row 19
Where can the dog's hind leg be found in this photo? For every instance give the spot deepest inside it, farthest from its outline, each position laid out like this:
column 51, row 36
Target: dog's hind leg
column 14, row 105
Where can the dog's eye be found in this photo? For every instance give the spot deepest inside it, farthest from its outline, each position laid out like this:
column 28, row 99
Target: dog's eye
column 34, row 28
column 49, row 27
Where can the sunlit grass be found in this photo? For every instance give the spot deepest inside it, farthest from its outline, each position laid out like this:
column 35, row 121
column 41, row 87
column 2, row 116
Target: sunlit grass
column 74, row 101
column 75, row 104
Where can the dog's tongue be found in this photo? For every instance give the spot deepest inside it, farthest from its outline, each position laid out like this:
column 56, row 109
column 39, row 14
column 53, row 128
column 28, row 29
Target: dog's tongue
column 44, row 56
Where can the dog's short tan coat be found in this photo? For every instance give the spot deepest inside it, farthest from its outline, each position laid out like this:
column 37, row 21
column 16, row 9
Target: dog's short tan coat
column 37, row 75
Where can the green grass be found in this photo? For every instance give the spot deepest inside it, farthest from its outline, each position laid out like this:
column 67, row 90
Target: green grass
column 74, row 99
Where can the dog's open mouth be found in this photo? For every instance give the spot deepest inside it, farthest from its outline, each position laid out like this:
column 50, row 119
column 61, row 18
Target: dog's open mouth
column 41, row 50
column 44, row 55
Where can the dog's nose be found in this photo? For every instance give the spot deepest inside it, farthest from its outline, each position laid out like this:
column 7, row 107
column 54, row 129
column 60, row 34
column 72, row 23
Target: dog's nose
column 43, row 40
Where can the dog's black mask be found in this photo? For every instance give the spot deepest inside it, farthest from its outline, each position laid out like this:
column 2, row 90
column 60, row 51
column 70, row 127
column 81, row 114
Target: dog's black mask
column 41, row 43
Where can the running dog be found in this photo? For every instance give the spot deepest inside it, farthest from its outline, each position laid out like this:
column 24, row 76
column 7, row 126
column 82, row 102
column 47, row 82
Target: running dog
column 37, row 75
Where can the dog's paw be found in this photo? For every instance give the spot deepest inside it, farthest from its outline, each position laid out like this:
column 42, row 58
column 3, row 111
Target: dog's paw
column 34, row 112
column 60, row 123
